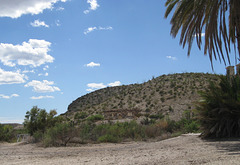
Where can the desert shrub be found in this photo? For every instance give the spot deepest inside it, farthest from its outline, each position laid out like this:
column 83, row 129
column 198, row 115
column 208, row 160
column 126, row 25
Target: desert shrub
column 80, row 115
column 111, row 132
column 95, row 117
column 59, row 135
column 147, row 121
column 6, row 133
column 191, row 127
column 38, row 136
column 219, row 111
column 108, row 138
column 156, row 116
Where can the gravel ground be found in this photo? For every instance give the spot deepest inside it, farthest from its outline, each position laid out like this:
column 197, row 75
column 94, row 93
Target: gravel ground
column 185, row 149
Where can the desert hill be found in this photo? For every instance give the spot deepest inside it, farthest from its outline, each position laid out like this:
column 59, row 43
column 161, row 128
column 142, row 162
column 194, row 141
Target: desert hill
column 165, row 95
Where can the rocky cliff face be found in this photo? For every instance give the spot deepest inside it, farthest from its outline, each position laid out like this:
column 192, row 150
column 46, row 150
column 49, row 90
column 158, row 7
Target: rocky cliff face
column 167, row 94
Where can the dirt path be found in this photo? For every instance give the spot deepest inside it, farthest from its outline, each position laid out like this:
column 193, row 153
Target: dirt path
column 185, row 149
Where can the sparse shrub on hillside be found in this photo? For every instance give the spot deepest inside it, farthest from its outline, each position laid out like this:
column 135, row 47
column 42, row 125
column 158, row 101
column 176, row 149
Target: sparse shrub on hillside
column 95, row 117
column 156, row 116
column 80, row 115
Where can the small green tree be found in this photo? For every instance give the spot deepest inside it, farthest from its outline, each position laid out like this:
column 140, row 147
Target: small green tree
column 39, row 120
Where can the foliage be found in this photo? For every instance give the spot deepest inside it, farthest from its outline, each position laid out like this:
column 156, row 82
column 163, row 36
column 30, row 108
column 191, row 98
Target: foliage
column 219, row 111
column 195, row 18
column 59, row 135
column 39, row 120
column 6, row 133
column 80, row 115
column 95, row 117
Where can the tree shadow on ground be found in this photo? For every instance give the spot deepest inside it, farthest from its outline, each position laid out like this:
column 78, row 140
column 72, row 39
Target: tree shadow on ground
column 231, row 146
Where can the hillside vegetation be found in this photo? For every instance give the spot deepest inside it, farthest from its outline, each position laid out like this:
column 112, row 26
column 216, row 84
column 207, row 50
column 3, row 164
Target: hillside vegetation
column 166, row 95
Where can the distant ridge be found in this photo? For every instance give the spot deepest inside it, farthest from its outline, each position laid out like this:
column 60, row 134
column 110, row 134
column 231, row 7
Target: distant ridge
column 168, row 95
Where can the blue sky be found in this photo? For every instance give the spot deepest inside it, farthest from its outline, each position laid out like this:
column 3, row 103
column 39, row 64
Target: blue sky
column 54, row 51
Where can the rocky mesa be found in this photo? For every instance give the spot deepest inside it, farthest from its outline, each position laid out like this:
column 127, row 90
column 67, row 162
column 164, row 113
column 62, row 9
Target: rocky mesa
column 168, row 95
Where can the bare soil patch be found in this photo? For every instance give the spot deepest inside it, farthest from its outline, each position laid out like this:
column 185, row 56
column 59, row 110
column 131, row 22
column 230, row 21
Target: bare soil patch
column 185, row 149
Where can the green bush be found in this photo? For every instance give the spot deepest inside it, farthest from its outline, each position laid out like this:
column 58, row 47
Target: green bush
column 95, row 117
column 59, row 135
column 6, row 133
column 81, row 115
column 108, row 138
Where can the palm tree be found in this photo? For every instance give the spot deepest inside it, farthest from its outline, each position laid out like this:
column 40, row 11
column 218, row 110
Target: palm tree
column 219, row 111
column 209, row 18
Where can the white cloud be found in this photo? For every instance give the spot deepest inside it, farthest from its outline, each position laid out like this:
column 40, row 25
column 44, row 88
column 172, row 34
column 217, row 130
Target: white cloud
column 16, row 8
column 116, row 83
column 41, row 74
column 34, row 53
column 60, row 9
column 42, row 87
column 89, row 90
column 38, row 23
column 8, row 77
column 171, row 57
column 94, row 86
column 105, row 28
column 41, row 97
column 91, row 29
column 46, row 67
column 92, row 64
column 8, row 97
column 93, row 6
column 28, row 71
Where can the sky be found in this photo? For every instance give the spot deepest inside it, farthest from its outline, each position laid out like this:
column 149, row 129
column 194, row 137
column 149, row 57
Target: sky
column 54, row 51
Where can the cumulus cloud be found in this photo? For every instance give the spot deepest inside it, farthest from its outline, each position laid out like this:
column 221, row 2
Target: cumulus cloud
column 42, row 87
column 95, row 86
column 92, row 64
column 16, row 8
column 8, row 77
column 93, row 6
column 171, row 57
column 34, row 53
column 91, row 29
column 114, row 84
column 41, row 97
column 8, row 97
column 38, row 23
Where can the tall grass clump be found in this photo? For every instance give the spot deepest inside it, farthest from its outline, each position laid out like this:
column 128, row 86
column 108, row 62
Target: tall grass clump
column 219, row 111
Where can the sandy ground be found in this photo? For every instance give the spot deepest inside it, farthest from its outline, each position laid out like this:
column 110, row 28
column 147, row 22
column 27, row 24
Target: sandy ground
column 185, row 149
